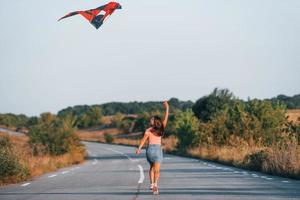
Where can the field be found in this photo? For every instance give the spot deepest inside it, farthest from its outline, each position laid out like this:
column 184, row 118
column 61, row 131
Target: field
column 294, row 115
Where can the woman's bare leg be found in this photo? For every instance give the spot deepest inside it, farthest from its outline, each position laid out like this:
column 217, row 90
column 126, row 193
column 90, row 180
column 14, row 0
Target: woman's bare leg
column 156, row 172
column 151, row 173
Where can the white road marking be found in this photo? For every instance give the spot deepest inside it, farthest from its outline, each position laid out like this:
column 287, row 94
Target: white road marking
column 141, row 180
column 64, row 172
column 142, row 176
column 285, row 181
column 122, row 154
column 51, row 176
column 236, row 172
column 95, row 162
column 25, row 184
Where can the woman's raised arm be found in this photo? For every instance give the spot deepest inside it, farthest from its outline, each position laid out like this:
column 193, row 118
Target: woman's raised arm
column 166, row 105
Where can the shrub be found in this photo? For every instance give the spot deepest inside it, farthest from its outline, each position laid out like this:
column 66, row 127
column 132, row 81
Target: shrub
column 186, row 125
column 53, row 135
column 108, row 138
column 255, row 161
column 117, row 120
column 10, row 166
column 283, row 159
column 209, row 106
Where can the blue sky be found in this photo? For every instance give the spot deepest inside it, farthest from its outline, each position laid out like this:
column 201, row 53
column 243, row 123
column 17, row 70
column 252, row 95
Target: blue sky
column 149, row 50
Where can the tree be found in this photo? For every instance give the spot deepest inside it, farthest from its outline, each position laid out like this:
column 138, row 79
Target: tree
column 186, row 126
column 208, row 106
column 53, row 135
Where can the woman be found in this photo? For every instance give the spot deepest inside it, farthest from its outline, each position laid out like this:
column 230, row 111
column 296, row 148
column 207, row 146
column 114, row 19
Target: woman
column 154, row 151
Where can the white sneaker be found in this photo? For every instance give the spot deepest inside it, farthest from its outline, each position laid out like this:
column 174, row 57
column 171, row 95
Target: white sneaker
column 155, row 190
column 151, row 186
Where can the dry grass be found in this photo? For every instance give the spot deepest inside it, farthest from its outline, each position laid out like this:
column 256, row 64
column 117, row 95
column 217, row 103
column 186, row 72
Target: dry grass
column 107, row 119
column 38, row 165
column 276, row 160
column 225, row 154
column 169, row 143
column 284, row 160
column 124, row 141
column 294, row 115
column 87, row 135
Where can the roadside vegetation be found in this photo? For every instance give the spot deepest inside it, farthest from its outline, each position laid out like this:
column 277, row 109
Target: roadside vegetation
column 262, row 135
column 50, row 144
column 255, row 134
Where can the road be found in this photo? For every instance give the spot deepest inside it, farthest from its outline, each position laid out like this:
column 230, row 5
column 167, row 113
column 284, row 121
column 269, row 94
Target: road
column 10, row 132
column 115, row 172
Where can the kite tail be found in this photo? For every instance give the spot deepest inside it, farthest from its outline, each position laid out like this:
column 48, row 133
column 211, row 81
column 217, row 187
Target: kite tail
column 97, row 21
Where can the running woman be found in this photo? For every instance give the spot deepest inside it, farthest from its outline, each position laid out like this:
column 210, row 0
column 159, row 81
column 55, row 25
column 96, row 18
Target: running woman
column 154, row 152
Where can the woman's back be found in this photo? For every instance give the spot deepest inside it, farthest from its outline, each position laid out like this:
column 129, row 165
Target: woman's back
column 153, row 139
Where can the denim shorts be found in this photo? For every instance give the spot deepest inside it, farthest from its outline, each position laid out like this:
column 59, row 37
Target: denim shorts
column 154, row 153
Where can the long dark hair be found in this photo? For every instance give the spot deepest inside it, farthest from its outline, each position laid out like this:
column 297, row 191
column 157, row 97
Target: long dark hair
column 158, row 126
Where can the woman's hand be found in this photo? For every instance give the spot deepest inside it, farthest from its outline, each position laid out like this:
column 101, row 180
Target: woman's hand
column 138, row 151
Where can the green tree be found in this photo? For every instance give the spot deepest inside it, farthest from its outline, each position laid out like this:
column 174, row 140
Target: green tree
column 53, row 135
column 95, row 115
column 117, row 120
column 186, row 126
column 208, row 106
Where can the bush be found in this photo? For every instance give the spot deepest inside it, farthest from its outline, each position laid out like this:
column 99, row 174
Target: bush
column 186, row 125
column 108, row 138
column 10, row 166
column 12, row 120
column 117, row 120
column 209, row 106
column 253, row 120
column 143, row 121
column 53, row 135
column 126, row 125
column 283, row 160
column 255, row 161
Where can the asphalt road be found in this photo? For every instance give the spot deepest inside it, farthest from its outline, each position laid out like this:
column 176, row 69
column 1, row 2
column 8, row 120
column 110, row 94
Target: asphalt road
column 115, row 172
column 10, row 132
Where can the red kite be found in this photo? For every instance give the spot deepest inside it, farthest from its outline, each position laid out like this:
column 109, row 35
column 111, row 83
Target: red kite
column 93, row 15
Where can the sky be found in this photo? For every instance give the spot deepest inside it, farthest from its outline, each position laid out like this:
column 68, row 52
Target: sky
column 150, row 50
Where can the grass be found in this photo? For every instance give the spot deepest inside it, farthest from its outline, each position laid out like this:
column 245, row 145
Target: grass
column 294, row 115
column 96, row 135
column 41, row 164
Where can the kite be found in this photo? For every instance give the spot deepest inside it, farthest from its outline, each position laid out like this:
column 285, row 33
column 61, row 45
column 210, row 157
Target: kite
column 93, row 15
